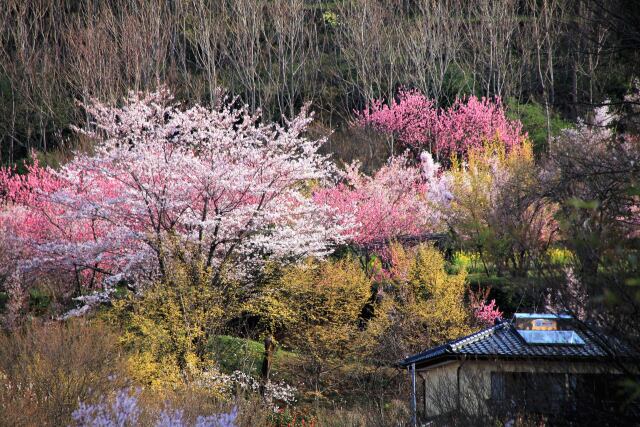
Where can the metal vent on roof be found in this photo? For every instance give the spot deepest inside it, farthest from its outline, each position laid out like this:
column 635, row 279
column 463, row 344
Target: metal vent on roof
column 547, row 329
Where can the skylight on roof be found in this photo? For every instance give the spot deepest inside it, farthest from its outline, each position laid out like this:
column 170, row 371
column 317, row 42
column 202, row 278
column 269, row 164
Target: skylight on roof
column 547, row 329
column 551, row 337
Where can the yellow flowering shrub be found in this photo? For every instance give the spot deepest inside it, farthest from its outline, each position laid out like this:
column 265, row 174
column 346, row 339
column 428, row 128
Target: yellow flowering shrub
column 329, row 298
column 421, row 305
column 317, row 307
column 167, row 328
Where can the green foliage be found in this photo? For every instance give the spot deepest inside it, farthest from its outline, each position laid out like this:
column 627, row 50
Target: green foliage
column 330, row 18
column 39, row 301
column 559, row 256
column 534, row 121
column 468, row 261
column 481, row 280
column 458, row 82
column 233, row 353
column 512, row 294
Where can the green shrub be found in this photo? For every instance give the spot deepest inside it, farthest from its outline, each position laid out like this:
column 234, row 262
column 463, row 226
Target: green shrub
column 241, row 354
column 4, row 297
column 39, row 301
column 469, row 261
column 534, row 121
column 560, row 256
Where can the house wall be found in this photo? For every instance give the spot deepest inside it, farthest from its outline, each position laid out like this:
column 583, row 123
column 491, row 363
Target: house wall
column 473, row 379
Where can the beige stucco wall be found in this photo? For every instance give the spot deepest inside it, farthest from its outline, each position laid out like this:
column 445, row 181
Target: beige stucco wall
column 474, row 378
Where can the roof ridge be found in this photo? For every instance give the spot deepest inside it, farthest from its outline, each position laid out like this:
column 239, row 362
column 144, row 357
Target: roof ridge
column 477, row 336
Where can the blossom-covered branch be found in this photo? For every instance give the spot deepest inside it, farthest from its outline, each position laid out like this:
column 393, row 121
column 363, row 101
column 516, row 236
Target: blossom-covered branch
column 417, row 123
column 215, row 186
column 400, row 199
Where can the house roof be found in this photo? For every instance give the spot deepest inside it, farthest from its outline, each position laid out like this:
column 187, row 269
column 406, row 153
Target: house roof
column 502, row 341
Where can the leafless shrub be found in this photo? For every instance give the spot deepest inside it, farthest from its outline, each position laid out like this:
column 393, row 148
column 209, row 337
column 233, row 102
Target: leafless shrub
column 46, row 368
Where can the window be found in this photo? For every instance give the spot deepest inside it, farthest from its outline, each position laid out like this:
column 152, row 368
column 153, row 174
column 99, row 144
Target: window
column 547, row 329
column 529, row 392
column 587, row 399
column 551, row 337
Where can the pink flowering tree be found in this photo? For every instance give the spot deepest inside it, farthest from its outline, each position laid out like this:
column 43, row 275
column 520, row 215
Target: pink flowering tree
column 400, row 199
column 417, row 123
column 485, row 312
column 412, row 119
column 217, row 187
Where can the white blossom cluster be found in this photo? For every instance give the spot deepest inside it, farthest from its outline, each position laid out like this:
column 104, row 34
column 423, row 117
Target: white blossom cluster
column 89, row 302
column 280, row 392
column 239, row 381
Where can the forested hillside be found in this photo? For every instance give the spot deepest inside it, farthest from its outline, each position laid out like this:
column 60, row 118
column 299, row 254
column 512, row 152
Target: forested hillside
column 550, row 60
column 246, row 213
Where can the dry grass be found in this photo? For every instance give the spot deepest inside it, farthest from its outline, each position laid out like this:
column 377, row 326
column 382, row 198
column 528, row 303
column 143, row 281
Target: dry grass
column 394, row 413
column 45, row 369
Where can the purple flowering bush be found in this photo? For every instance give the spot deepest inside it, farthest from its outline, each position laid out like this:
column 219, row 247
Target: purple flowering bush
column 125, row 411
column 122, row 412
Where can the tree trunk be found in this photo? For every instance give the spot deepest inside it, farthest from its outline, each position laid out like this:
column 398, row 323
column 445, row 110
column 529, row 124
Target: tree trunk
column 574, row 87
column 269, row 349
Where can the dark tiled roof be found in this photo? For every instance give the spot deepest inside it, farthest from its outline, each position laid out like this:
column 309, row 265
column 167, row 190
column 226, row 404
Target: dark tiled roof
column 502, row 341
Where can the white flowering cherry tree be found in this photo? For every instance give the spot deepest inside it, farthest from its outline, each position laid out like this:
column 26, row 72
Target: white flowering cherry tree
column 216, row 186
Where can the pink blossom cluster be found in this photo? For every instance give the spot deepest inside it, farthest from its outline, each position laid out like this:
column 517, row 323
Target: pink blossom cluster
column 487, row 312
column 418, row 123
column 400, row 199
column 40, row 230
column 413, row 118
column 218, row 185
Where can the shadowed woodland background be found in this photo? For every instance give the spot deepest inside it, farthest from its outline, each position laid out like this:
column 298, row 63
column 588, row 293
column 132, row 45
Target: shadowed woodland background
column 549, row 59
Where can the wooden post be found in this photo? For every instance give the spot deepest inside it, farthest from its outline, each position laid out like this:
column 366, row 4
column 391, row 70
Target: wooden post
column 269, row 347
column 267, row 359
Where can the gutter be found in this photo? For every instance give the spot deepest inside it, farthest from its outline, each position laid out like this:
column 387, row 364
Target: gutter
column 414, row 406
column 446, row 357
